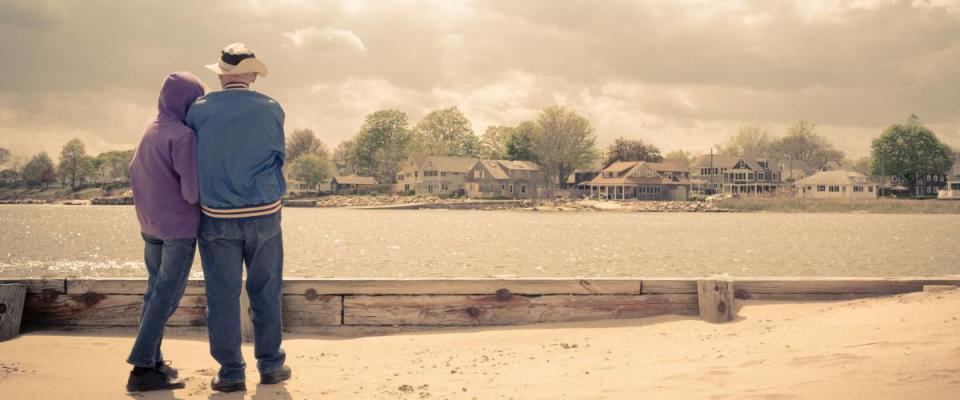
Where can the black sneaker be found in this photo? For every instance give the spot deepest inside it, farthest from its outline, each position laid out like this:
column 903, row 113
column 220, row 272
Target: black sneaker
column 152, row 379
column 164, row 366
column 227, row 387
column 277, row 376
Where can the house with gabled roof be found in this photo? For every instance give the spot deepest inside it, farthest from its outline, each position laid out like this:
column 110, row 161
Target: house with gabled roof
column 436, row 175
column 641, row 180
column 838, row 184
column 713, row 174
column 504, row 179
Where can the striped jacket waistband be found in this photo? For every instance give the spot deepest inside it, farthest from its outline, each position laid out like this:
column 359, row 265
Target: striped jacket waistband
column 246, row 212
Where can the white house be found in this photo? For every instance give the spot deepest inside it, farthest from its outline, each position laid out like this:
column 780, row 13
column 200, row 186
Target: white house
column 836, row 185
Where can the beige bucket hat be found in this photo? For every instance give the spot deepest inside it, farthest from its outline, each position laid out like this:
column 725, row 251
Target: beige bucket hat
column 237, row 59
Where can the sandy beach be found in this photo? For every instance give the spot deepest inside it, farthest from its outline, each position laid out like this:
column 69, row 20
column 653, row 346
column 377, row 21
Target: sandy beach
column 900, row 347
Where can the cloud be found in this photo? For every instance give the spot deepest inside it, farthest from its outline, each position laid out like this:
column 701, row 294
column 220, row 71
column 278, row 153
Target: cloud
column 328, row 35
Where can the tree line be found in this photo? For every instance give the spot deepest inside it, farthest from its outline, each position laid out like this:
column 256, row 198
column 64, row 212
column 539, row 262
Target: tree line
column 74, row 169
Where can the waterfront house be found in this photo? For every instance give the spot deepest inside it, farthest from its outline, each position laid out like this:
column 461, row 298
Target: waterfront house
column 352, row 184
column 952, row 189
column 504, row 179
column 580, row 178
column 929, row 185
column 713, row 174
column 836, row 185
column 436, row 175
column 641, row 180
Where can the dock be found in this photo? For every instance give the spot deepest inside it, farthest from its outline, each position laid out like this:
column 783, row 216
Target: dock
column 351, row 307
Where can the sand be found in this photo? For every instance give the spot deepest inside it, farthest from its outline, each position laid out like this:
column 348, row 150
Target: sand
column 889, row 348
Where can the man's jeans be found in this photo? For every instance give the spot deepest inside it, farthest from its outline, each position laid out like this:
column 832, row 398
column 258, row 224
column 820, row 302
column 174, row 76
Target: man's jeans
column 225, row 245
column 168, row 263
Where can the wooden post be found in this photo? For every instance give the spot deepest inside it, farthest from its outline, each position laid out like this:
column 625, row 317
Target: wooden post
column 11, row 310
column 716, row 300
column 246, row 320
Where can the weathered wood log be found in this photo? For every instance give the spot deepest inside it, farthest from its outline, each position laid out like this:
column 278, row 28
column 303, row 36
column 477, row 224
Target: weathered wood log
column 122, row 286
column 11, row 309
column 669, row 286
column 105, row 310
column 467, row 286
column 314, row 310
column 715, row 298
column 460, row 310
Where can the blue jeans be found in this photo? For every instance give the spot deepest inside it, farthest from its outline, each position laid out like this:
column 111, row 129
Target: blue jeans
column 168, row 263
column 225, row 245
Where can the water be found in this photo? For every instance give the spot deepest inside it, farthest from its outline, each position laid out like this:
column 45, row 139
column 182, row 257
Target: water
column 78, row 241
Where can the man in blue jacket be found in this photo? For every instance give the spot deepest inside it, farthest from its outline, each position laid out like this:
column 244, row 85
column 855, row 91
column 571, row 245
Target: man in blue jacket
column 240, row 155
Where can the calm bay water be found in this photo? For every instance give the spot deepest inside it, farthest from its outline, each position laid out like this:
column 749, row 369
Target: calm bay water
column 77, row 241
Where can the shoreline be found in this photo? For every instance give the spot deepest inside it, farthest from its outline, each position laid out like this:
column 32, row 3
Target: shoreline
column 895, row 347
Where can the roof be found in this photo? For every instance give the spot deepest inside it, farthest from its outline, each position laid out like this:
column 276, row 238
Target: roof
column 719, row 161
column 452, row 164
column 355, row 180
column 660, row 176
column 671, row 166
column 839, row 177
column 500, row 169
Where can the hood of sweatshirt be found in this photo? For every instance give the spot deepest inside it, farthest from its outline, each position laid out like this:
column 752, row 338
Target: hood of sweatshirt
column 178, row 92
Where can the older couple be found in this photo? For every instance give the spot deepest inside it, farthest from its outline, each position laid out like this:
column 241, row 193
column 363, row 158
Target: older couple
column 209, row 169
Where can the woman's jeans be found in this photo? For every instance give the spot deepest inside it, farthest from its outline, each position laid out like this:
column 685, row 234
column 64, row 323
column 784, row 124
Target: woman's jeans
column 168, row 263
column 225, row 245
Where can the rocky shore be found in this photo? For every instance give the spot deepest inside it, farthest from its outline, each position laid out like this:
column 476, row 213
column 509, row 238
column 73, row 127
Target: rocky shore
column 628, row 206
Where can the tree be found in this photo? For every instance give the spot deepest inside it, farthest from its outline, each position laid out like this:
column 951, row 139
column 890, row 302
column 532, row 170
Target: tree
column 806, row 148
column 445, row 132
column 861, row 165
column 310, row 168
column 681, row 157
column 305, row 141
column 493, row 145
column 39, row 171
column 519, row 145
column 563, row 142
column 4, row 155
column 632, row 150
column 119, row 161
column 750, row 141
column 909, row 151
column 75, row 166
column 341, row 158
column 382, row 145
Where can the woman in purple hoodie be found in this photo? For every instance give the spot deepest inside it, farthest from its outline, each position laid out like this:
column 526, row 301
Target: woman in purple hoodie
column 163, row 176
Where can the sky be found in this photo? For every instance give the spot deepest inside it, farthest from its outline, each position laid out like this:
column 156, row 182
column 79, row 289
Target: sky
column 679, row 74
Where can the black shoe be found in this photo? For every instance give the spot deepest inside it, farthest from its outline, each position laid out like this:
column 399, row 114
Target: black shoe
column 166, row 369
column 277, row 376
column 151, row 379
column 227, row 387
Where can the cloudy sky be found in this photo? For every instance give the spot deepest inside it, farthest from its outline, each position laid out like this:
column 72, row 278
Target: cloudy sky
column 678, row 73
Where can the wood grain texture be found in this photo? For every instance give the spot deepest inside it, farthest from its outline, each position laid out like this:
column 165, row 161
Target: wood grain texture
column 466, row 286
column 456, row 310
column 316, row 311
column 12, row 297
column 104, row 310
column 39, row 285
column 715, row 298
column 122, row 286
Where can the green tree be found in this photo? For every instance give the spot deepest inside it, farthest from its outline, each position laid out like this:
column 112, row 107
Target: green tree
column 381, row 145
column 680, row 156
column 493, row 145
column 806, row 148
column 4, row 155
column 305, row 141
column 909, row 151
column 519, row 145
column 310, row 168
column 75, row 166
column 750, row 141
column 624, row 149
column 39, row 171
column 445, row 132
column 563, row 142
column 118, row 160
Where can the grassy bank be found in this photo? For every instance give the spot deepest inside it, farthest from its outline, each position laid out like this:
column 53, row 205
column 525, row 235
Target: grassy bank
column 57, row 193
column 879, row 206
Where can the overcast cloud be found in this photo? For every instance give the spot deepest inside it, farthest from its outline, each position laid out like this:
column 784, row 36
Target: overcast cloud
column 680, row 73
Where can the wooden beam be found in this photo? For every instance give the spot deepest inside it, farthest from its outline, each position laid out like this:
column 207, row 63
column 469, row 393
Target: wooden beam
column 39, row 285
column 669, row 286
column 122, row 286
column 466, row 286
column 822, row 287
column 314, row 311
column 715, row 298
column 11, row 309
column 105, row 310
column 453, row 310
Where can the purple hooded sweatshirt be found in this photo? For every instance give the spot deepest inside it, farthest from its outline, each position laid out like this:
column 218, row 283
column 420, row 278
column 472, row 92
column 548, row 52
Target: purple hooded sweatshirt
column 163, row 172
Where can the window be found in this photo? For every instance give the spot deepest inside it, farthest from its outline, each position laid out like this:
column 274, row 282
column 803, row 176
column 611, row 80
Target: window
column 649, row 174
column 503, row 186
column 821, row 188
column 760, row 176
column 444, row 187
column 511, row 188
column 400, row 177
column 478, row 174
column 429, row 173
column 443, row 173
column 523, row 188
column 955, row 186
column 857, row 189
column 430, row 188
column 870, row 188
column 416, row 174
column 834, row 189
